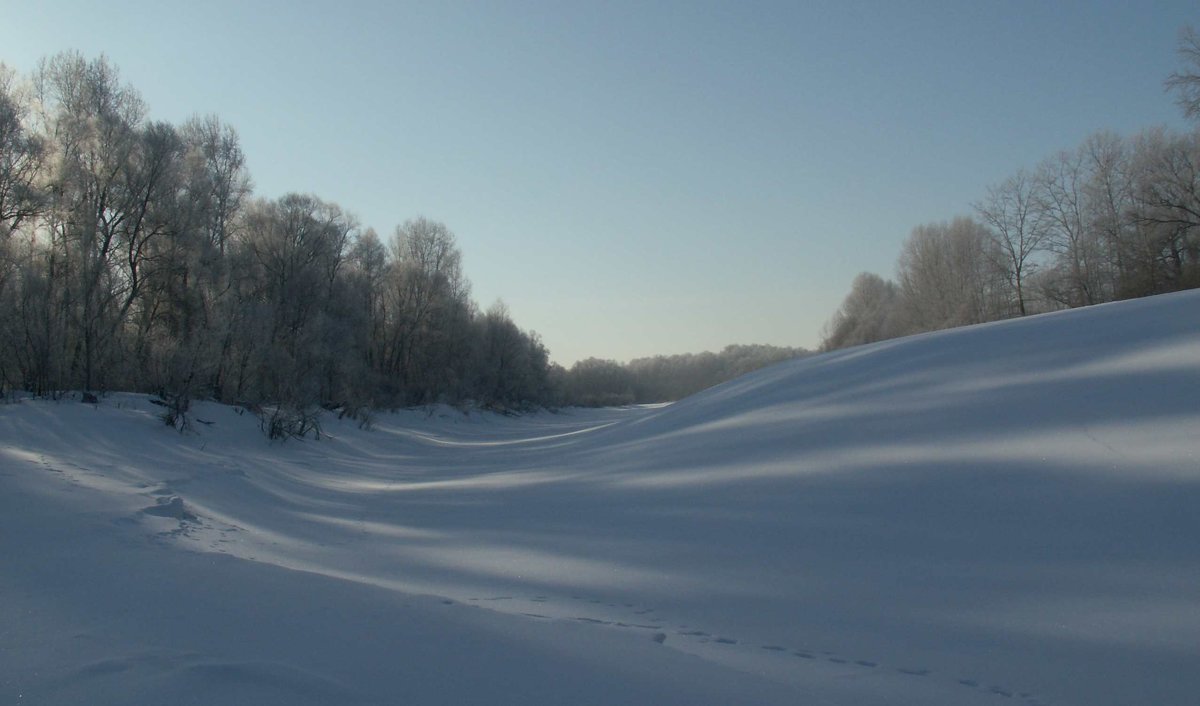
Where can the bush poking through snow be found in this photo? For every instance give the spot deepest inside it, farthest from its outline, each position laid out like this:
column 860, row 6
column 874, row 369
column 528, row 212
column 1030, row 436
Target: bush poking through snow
column 361, row 414
column 289, row 422
column 175, row 414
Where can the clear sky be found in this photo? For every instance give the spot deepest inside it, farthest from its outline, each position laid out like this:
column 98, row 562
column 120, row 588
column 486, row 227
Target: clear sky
column 634, row 178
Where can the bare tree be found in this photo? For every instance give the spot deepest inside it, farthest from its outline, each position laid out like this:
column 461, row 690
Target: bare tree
column 1017, row 228
column 21, row 200
column 293, row 252
column 429, row 312
column 1109, row 200
column 219, row 183
column 367, row 274
column 510, row 364
column 1166, row 188
column 947, row 275
column 1186, row 81
column 1077, row 275
column 92, row 124
column 21, row 159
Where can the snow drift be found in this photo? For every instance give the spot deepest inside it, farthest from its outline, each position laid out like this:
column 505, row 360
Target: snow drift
column 1001, row 514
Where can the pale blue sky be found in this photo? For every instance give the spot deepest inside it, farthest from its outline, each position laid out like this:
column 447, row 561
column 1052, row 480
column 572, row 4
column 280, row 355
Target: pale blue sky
column 640, row 178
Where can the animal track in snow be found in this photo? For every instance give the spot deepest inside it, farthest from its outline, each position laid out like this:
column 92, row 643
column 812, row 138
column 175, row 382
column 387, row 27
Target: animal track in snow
column 607, row 615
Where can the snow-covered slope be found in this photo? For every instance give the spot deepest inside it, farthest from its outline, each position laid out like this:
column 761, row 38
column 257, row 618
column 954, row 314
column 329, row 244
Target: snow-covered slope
column 1002, row 514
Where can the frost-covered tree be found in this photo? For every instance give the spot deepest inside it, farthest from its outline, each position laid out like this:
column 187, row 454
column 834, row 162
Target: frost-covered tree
column 872, row 311
column 21, row 201
column 428, row 314
column 197, row 324
column 1018, row 230
column 143, row 263
column 1166, row 188
column 948, row 277
column 1186, row 81
column 99, row 197
column 1076, row 275
column 21, row 159
column 662, row 378
column 292, row 251
column 594, row 382
column 510, row 366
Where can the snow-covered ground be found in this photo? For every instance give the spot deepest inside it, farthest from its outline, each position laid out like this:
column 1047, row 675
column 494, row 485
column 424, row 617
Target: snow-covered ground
column 1003, row 514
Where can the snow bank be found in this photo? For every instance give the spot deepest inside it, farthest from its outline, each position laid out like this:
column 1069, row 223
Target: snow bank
column 999, row 514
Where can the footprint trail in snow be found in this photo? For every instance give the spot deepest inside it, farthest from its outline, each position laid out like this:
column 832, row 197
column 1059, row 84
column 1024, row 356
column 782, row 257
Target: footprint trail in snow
column 690, row 639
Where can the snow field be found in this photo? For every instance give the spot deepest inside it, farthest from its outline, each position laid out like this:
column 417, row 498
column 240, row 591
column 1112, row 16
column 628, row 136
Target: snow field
column 1000, row 514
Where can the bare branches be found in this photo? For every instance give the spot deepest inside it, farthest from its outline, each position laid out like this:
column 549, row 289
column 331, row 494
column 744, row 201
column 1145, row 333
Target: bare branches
column 1186, row 82
column 1017, row 227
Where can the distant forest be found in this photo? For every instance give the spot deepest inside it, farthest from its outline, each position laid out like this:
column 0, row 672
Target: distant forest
column 1114, row 218
column 134, row 256
column 600, row 383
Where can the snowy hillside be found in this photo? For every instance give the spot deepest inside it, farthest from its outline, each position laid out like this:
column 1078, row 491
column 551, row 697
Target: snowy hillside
column 1002, row 514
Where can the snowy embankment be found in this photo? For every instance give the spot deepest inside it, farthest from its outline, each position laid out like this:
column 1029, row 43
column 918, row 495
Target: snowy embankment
column 1002, row 514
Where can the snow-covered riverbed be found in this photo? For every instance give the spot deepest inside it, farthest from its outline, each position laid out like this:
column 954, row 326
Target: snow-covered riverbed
column 1002, row 514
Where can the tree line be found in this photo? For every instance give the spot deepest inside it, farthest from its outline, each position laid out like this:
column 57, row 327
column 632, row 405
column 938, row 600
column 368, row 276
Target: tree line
column 663, row 378
column 134, row 256
column 1114, row 218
